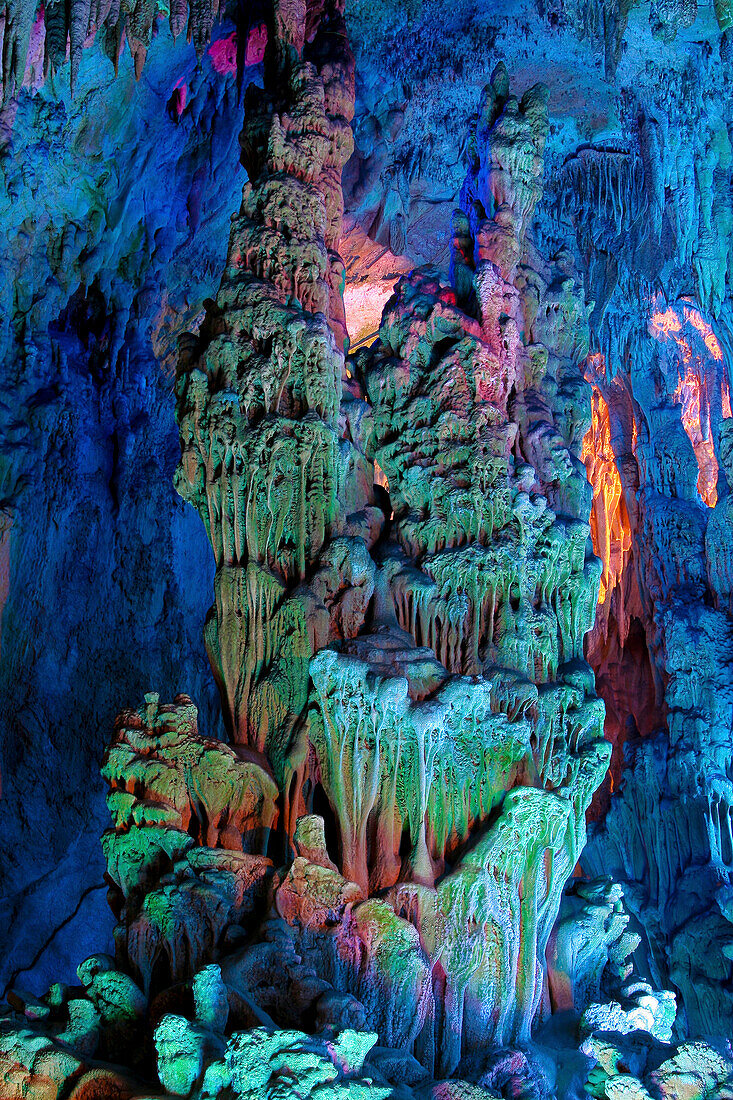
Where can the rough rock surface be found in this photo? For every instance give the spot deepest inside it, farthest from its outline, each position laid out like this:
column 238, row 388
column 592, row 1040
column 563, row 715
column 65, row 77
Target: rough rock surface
column 486, row 577
column 480, row 569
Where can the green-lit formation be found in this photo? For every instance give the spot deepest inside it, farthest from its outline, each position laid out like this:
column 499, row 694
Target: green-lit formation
column 429, row 682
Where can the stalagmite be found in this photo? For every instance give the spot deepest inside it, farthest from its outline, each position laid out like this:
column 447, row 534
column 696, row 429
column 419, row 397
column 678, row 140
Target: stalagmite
column 258, row 406
column 425, row 690
column 474, row 577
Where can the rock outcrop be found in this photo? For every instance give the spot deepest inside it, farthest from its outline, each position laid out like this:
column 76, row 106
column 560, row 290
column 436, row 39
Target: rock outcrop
column 663, row 530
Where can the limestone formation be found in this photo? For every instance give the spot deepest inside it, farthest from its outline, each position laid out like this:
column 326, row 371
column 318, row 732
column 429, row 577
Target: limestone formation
column 667, row 547
column 484, row 756
column 496, row 581
column 657, row 200
column 409, row 664
column 68, row 28
column 268, row 458
column 184, row 810
column 367, row 891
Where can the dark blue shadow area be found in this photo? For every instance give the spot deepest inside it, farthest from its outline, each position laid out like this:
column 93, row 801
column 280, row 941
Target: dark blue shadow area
column 116, row 208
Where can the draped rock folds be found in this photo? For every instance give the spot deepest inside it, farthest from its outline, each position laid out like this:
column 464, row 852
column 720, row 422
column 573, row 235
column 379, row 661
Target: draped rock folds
column 660, row 199
column 184, row 810
column 70, row 26
column 669, row 827
column 488, row 778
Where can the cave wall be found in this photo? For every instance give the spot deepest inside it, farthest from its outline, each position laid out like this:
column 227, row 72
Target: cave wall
column 105, row 573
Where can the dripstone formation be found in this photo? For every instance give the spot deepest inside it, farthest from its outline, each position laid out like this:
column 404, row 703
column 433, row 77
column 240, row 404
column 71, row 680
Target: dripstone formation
column 283, row 492
column 667, row 834
column 357, row 894
column 450, row 725
column 68, row 27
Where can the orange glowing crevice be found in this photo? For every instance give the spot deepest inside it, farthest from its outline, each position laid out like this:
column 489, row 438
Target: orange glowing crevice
column 691, row 391
column 380, row 478
column 690, row 395
column 705, row 330
column 725, row 398
column 665, row 323
column 609, row 521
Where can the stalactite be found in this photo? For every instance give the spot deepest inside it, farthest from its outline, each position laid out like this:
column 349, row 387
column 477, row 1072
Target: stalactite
column 259, row 397
column 420, row 699
column 80, row 20
column 482, row 557
column 416, row 736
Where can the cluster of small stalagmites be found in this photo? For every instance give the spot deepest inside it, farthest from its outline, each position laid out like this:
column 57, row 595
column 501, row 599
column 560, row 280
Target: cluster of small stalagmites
column 625, row 1026
column 200, row 1044
column 69, row 27
column 635, row 1067
column 590, row 966
column 58, row 1044
column 272, row 457
column 191, row 820
column 202, row 1041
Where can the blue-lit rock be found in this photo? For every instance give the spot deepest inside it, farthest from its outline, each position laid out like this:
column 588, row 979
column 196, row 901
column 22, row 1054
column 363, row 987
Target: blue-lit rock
column 115, row 208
